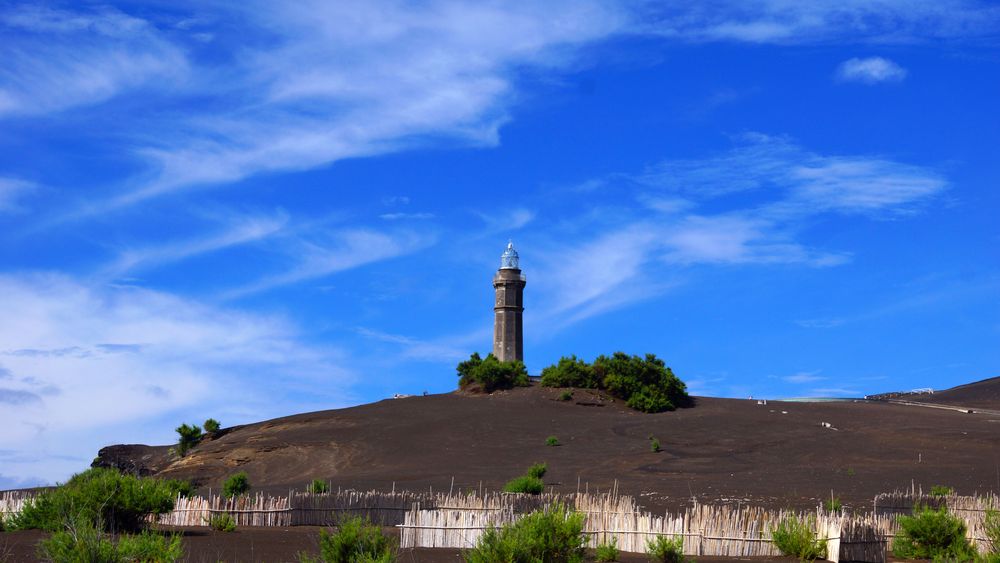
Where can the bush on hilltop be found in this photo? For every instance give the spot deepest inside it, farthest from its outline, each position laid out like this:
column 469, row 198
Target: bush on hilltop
column 491, row 374
column 188, row 437
column 645, row 384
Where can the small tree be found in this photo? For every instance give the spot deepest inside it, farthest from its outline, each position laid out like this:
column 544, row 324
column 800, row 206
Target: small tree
column 666, row 550
column 212, row 425
column 607, row 551
column 237, row 484
column 188, row 437
column 355, row 540
column 797, row 538
column 570, row 372
column 550, row 535
column 932, row 534
column 537, row 470
column 491, row 374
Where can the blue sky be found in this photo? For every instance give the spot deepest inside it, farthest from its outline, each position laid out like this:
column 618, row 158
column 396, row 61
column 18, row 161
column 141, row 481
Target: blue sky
column 248, row 210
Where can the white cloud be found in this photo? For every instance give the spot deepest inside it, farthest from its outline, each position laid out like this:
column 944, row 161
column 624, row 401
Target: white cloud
column 803, row 377
column 88, row 366
column 821, row 21
column 242, row 230
column 54, row 59
column 448, row 349
column 405, row 216
column 11, row 189
column 320, row 254
column 870, row 70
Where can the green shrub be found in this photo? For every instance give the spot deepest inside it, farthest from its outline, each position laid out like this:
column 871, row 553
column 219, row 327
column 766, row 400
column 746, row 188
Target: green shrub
column 538, row 470
column 551, row 535
column 552, row 441
column 645, row 384
column 654, row 445
column 666, row 550
column 98, row 495
column 606, row 552
column 797, row 538
column 212, row 425
column 941, row 491
column 84, row 542
column 180, row 487
column 355, row 541
column 570, row 372
column 237, row 484
column 223, row 522
column 991, row 527
column 525, row 484
column 188, row 437
column 491, row 374
column 318, row 487
column 833, row 504
column 566, row 396
column 931, row 534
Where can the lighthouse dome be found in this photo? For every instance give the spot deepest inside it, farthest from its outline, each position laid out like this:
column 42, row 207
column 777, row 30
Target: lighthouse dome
column 509, row 258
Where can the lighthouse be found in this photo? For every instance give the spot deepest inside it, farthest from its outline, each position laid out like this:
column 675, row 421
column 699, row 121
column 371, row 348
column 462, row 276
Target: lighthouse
column 508, row 329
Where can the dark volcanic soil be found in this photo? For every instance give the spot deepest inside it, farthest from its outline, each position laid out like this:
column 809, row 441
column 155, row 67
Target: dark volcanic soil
column 983, row 394
column 776, row 455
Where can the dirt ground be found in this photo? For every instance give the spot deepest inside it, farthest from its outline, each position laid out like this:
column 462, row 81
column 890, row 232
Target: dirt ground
column 722, row 450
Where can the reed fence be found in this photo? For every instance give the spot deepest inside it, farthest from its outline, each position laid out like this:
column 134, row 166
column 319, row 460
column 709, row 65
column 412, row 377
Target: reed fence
column 11, row 502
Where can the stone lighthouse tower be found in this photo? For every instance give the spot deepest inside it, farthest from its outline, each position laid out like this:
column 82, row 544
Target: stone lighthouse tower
column 508, row 331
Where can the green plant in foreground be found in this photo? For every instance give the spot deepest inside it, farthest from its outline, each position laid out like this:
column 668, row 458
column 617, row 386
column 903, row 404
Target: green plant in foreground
column 833, row 504
column 83, row 541
column 941, row 491
column 566, row 396
column 607, row 551
column 222, row 522
column 538, row 470
column 318, row 487
column 554, row 534
column 212, row 425
column 552, row 441
column 237, row 484
column 991, row 528
column 797, row 538
column 100, row 496
column 666, row 550
column 355, row 540
column 654, row 445
column 932, row 534
column 525, row 484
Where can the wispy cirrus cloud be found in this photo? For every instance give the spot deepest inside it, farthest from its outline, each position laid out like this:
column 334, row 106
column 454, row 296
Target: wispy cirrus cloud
column 870, row 70
column 89, row 365
column 11, row 190
column 761, row 193
column 241, row 230
column 803, row 377
column 318, row 254
column 55, row 59
column 821, row 21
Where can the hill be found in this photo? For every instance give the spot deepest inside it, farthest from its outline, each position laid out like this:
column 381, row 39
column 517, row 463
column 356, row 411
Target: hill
column 778, row 454
column 983, row 394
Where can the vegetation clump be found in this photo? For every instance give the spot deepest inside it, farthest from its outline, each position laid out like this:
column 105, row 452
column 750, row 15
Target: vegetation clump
column 211, row 425
column 538, row 470
column 318, row 487
column 552, row 441
column 355, row 540
column 188, row 437
column 654, row 445
column 797, row 538
column 645, row 384
column 991, row 528
column 550, row 535
column 237, row 484
column 607, row 551
column 98, row 497
column 941, row 491
column 932, row 534
column 83, row 541
column 666, row 550
column 525, row 484
column 222, row 522
column 490, row 374
column 566, row 396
